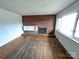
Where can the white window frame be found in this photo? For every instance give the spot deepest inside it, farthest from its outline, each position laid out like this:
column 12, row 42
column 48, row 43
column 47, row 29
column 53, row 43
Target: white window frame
column 74, row 29
column 35, row 29
column 76, row 26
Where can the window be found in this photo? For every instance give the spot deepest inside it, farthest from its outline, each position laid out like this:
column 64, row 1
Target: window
column 77, row 30
column 59, row 23
column 67, row 24
column 30, row 28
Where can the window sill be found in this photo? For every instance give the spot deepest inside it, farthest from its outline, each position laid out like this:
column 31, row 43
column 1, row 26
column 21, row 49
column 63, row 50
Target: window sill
column 72, row 38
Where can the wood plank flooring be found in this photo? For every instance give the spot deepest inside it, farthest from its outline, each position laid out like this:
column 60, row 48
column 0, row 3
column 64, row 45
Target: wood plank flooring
column 6, row 49
column 37, row 47
column 58, row 51
column 32, row 49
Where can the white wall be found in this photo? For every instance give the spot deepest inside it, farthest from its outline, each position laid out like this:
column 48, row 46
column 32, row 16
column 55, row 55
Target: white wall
column 10, row 26
column 71, row 46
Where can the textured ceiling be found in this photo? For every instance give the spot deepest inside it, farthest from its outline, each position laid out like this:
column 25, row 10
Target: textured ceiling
column 35, row 7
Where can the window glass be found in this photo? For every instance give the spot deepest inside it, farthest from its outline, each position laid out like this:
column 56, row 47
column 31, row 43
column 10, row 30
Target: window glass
column 67, row 24
column 30, row 28
column 59, row 23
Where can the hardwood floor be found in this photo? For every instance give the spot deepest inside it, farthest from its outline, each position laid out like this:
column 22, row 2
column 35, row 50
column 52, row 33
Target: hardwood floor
column 37, row 47
column 6, row 49
column 58, row 51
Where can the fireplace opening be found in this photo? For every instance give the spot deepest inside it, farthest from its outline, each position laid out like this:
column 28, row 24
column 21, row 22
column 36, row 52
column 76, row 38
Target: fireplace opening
column 42, row 30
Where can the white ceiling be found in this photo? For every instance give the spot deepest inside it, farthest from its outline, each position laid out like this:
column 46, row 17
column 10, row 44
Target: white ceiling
column 35, row 7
